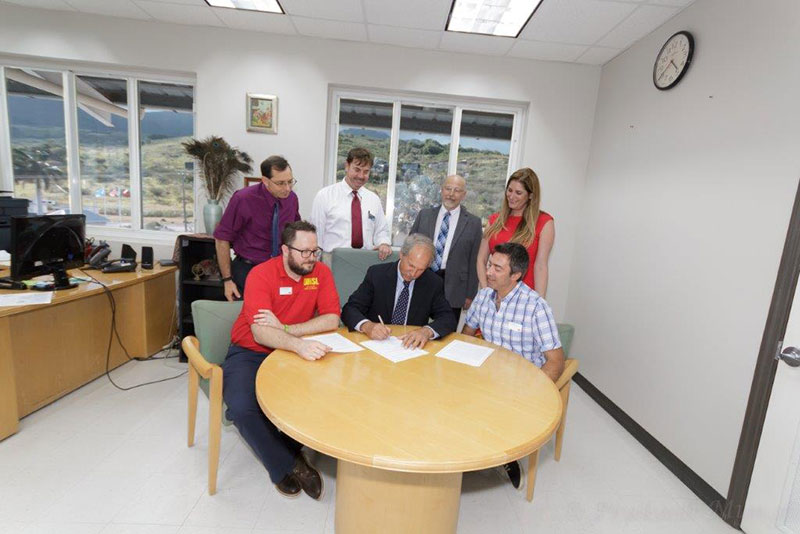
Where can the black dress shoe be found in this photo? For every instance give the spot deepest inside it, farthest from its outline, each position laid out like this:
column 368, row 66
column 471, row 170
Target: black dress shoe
column 289, row 486
column 514, row 473
column 308, row 477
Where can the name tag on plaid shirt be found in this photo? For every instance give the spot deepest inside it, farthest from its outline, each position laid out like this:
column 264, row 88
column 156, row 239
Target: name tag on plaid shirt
column 514, row 327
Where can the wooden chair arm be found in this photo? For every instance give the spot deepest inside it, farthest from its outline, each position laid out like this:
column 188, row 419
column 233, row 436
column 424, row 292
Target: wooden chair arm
column 191, row 347
column 570, row 368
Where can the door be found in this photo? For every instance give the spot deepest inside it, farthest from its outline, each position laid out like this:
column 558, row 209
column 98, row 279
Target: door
column 773, row 501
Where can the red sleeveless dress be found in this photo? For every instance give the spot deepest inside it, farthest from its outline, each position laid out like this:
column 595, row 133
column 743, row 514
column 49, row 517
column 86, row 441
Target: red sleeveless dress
column 504, row 236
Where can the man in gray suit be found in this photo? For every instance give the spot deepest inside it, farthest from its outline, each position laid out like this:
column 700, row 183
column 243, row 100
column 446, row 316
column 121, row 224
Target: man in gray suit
column 456, row 234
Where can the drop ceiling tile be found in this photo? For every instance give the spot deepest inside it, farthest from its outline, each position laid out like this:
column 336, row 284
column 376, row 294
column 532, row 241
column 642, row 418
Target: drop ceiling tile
column 404, row 36
column 641, row 22
column 575, row 21
column 680, row 3
column 329, row 29
column 254, row 21
column 111, row 8
column 345, row 10
column 181, row 14
column 42, row 4
column 598, row 55
column 418, row 14
column 476, row 44
column 201, row 3
column 546, row 51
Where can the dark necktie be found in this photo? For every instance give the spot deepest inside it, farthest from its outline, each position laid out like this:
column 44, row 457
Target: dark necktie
column 440, row 242
column 276, row 246
column 399, row 313
column 356, row 233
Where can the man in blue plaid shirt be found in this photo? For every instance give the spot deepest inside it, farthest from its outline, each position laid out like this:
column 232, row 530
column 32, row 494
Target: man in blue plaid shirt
column 514, row 316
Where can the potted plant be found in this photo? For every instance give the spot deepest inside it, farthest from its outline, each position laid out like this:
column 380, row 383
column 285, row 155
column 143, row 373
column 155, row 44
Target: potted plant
column 220, row 163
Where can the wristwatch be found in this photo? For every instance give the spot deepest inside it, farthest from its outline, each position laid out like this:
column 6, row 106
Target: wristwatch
column 227, row 279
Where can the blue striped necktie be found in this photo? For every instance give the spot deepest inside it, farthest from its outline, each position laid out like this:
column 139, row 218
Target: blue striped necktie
column 441, row 239
column 399, row 313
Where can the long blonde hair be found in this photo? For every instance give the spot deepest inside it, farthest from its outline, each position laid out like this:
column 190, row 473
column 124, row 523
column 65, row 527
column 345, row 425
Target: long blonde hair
column 526, row 231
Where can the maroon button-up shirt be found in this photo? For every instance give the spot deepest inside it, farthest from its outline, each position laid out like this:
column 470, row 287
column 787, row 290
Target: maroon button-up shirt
column 247, row 221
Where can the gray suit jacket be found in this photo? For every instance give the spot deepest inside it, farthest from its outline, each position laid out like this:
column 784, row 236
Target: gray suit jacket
column 461, row 280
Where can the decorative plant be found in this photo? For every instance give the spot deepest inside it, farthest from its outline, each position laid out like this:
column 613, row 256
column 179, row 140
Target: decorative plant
column 220, row 163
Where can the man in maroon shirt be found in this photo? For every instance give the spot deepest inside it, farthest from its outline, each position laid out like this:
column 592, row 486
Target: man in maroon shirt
column 252, row 224
column 286, row 297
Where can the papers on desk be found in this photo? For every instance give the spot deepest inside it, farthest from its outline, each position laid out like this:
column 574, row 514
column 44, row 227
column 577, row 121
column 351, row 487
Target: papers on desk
column 337, row 342
column 392, row 349
column 463, row 352
column 26, row 299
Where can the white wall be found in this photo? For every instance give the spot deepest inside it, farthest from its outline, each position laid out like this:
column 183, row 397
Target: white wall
column 230, row 63
column 687, row 202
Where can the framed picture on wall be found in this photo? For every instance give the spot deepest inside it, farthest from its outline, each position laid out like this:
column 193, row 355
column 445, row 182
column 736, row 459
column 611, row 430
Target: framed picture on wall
column 262, row 113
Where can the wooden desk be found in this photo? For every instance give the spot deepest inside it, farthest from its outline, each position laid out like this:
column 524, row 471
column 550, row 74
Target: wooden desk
column 46, row 351
column 403, row 433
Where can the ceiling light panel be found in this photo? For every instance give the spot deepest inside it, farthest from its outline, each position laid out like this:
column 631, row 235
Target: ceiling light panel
column 268, row 6
column 504, row 18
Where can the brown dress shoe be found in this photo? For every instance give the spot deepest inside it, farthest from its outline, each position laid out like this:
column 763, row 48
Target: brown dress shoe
column 308, row 477
column 289, row 486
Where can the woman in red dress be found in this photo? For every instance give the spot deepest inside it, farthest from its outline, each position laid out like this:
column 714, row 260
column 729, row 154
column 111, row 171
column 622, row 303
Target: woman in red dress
column 521, row 221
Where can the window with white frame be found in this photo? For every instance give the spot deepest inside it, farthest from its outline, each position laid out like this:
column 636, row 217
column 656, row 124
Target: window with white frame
column 76, row 147
column 417, row 141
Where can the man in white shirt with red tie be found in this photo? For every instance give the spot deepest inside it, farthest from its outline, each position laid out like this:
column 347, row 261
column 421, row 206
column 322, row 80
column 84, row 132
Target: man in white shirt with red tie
column 348, row 215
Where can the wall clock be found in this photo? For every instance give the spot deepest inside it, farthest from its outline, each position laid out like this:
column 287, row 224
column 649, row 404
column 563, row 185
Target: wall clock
column 673, row 60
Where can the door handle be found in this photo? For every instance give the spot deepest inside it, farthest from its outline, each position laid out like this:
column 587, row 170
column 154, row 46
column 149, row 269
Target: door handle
column 790, row 356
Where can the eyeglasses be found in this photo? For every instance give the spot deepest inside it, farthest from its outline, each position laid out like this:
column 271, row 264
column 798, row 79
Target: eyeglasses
column 317, row 252
column 456, row 190
column 288, row 183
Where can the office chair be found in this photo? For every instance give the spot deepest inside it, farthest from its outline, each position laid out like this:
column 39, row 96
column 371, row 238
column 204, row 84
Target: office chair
column 212, row 324
column 565, row 332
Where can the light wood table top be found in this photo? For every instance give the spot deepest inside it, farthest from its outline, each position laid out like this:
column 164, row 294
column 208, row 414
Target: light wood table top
column 85, row 289
column 424, row 415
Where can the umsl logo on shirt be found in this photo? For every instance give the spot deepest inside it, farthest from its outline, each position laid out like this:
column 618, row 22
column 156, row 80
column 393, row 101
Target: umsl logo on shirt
column 311, row 283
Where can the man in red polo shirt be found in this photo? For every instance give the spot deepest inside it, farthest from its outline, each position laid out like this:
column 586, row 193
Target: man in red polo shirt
column 286, row 297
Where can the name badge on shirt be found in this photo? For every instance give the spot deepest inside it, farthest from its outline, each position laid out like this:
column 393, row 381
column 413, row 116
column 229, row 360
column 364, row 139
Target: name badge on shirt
column 286, row 291
column 514, row 327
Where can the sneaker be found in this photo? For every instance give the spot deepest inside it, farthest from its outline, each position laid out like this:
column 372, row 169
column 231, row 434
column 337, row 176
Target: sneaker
column 289, row 486
column 308, row 477
column 514, row 473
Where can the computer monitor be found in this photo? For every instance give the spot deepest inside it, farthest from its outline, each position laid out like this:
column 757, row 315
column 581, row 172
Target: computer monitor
column 47, row 244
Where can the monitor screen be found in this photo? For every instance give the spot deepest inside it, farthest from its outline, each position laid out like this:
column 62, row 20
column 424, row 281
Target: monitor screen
column 42, row 244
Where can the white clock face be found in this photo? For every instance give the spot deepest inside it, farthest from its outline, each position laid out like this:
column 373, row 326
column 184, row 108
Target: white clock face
column 672, row 61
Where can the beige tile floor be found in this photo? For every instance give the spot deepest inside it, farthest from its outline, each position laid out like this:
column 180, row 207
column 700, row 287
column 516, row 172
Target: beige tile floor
column 102, row 460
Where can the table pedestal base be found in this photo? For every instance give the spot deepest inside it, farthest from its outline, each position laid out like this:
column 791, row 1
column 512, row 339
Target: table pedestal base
column 376, row 500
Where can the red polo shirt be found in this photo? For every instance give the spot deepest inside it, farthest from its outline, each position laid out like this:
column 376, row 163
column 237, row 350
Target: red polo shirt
column 270, row 288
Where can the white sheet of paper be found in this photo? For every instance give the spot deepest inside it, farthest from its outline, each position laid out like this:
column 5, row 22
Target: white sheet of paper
column 392, row 349
column 337, row 342
column 26, row 299
column 463, row 352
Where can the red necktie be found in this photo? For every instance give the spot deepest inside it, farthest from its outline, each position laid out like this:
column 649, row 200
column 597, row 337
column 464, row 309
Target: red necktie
column 356, row 234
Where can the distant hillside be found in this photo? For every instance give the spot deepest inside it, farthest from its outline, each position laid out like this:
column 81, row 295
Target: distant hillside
column 365, row 132
column 37, row 118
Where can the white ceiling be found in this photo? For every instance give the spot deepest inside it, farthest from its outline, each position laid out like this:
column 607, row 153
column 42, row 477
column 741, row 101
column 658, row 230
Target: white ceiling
column 578, row 31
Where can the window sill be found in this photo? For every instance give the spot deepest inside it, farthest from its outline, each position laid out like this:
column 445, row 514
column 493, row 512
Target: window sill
column 147, row 237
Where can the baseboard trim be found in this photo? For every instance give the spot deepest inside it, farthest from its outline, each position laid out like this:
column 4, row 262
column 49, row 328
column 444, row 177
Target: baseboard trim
column 692, row 480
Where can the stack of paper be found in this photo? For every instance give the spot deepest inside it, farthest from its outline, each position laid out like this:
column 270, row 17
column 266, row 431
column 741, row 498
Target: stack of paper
column 463, row 352
column 337, row 342
column 392, row 349
column 26, row 299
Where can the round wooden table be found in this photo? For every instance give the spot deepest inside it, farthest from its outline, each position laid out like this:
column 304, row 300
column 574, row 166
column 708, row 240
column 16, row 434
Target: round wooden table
column 403, row 433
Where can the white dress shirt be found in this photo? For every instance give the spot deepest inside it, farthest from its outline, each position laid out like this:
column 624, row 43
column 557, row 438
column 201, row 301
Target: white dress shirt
column 450, row 231
column 330, row 213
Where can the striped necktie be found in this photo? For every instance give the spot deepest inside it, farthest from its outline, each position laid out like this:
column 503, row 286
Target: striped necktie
column 441, row 240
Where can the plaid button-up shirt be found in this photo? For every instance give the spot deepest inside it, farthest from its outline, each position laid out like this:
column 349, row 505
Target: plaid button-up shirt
column 524, row 323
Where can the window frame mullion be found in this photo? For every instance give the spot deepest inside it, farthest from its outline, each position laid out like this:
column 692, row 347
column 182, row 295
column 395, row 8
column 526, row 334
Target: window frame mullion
column 134, row 154
column 6, row 159
column 70, row 103
column 394, row 144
